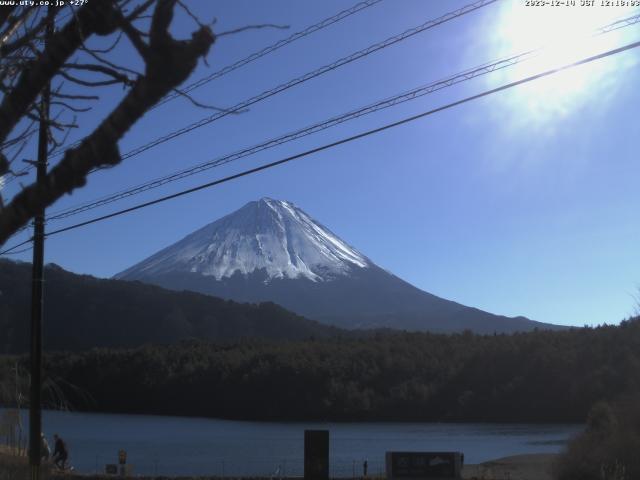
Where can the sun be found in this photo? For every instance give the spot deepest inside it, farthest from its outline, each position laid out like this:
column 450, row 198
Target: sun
column 559, row 36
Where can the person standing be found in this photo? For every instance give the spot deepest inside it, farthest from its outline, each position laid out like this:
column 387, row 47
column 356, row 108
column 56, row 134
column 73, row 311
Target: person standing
column 365, row 467
column 45, row 451
column 60, row 452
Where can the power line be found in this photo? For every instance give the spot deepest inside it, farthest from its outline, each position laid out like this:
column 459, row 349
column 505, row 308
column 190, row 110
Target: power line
column 11, row 249
column 416, row 93
column 380, row 105
column 313, row 74
column 350, row 139
column 20, row 251
column 304, row 78
column 383, row 104
column 339, row 142
column 272, row 48
column 310, row 75
column 255, row 56
column 343, row 61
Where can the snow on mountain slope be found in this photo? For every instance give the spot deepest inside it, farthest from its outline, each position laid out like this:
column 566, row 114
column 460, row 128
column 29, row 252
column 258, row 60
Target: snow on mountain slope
column 271, row 251
column 270, row 235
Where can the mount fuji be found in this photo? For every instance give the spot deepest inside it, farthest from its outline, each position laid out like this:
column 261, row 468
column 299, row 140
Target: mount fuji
column 270, row 250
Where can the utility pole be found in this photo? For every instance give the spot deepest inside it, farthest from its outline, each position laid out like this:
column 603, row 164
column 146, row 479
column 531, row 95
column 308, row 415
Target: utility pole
column 35, row 394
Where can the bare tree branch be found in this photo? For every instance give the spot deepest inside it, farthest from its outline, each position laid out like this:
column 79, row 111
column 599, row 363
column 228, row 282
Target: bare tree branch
column 31, row 34
column 74, row 97
column 139, row 10
column 5, row 13
column 109, row 49
column 134, row 37
column 92, row 18
column 108, row 63
column 52, row 123
column 117, row 76
column 169, row 63
column 190, row 13
column 14, row 24
column 252, row 27
column 88, row 83
column 205, row 106
column 70, row 107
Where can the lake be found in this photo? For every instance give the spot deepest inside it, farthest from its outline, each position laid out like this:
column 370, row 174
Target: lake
column 199, row 446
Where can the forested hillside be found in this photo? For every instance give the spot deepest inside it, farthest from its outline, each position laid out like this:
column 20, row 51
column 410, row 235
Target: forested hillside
column 82, row 312
column 538, row 376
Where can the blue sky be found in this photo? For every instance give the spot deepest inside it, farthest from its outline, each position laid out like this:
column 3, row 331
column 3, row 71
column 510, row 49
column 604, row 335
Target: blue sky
column 520, row 203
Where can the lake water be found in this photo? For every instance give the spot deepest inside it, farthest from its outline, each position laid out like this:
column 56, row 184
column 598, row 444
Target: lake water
column 199, row 446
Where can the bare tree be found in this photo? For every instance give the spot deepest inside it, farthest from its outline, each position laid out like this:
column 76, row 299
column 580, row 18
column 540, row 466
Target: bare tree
column 13, row 388
column 74, row 67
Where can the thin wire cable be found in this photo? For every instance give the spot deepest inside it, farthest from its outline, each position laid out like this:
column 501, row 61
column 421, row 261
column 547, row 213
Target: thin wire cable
column 343, row 61
column 313, row 74
column 308, row 76
column 19, row 251
column 350, row 139
column 272, row 48
column 418, row 92
column 10, row 250
column 219, row 161
column 255, row 56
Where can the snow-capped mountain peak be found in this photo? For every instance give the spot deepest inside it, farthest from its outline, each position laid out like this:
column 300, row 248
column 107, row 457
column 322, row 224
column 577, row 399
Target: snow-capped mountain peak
column 270, row 235
column 272, row 251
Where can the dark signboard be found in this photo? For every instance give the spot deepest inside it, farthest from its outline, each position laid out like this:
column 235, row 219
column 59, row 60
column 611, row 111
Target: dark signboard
column 316, row 454
column 418, row 465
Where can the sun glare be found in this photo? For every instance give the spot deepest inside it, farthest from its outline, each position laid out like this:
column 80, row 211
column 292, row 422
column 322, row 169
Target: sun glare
column 560, row 35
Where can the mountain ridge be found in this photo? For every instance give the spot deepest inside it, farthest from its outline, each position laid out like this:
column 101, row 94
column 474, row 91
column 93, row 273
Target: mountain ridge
column 84, row 312
column 271, row 250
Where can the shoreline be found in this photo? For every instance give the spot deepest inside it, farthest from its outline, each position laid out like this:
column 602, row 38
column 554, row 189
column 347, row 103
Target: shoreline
column 318, row 421
column 533, row 466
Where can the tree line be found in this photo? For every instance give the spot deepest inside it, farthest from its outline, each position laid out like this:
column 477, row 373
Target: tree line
column 540, row 376
column 83, row 312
